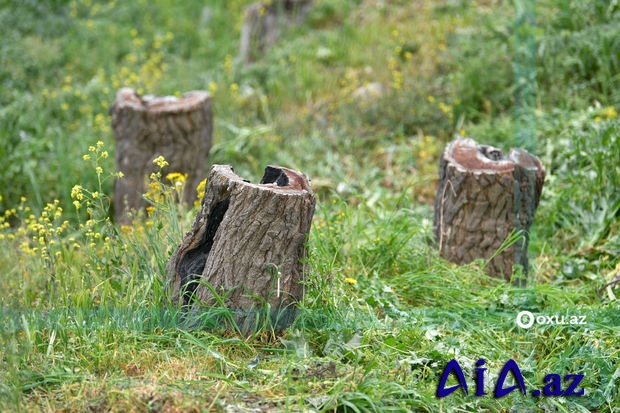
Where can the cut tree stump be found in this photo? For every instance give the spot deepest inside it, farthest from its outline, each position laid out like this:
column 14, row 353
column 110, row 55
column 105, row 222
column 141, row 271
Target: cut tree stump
column 482, row 197
column 179, row 129
column 248, row 245
column 263, row 23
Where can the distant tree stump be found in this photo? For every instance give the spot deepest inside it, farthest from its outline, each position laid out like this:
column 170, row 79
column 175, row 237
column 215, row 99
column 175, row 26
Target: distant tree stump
column 263, row 22
column 481, row 198
column 146, row 127
column 248, row 243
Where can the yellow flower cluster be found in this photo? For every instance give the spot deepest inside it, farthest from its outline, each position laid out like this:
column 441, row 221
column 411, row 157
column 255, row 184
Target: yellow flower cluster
column 330, row 225
column 76, row 193
column 396, row 72
column 161, row 194
column 609, row 112
column 200, row 189
column 155, row 192
column 178, row 181
column 5, row 224
column 606, row 113
column 40, row 235
column 94, row 200
column 144, row 66
column 161, row 162
column 228, row 65
column 102, row 123
column 177, row 178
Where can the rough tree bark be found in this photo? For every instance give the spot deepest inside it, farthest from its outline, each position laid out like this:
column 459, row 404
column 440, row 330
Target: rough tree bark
column 263, row 23
column 247, row 243
column 146, row 127
column 481, row 198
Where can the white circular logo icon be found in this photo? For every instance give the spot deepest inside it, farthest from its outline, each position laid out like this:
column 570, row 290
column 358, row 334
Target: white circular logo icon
column 525, row 319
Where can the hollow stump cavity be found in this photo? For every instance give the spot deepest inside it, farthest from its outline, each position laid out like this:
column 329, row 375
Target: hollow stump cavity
column 179, row 129
column 483, row 196
column 246, row 248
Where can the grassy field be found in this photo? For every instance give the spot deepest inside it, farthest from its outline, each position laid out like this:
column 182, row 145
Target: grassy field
column 85, row 322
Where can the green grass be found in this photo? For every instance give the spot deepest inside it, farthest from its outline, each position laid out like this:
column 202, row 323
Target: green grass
column 85, row 323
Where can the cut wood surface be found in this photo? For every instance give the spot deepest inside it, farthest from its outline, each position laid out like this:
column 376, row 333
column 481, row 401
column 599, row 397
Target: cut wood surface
column 179, row 129
column 482, row 197
column 248, row 245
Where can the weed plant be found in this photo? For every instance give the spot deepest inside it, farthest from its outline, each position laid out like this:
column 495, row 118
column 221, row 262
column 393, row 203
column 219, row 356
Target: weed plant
column 85, row 320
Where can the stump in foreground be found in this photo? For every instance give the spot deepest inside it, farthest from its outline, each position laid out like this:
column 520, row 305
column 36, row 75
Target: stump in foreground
column 246, row 247
column 179, row 129
column 482, row 197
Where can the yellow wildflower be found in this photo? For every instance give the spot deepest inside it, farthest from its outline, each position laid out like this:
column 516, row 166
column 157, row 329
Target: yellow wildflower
column 76, row 192
column 176, row 177
column 160, row 161
column 609, row 112
column 201, row 186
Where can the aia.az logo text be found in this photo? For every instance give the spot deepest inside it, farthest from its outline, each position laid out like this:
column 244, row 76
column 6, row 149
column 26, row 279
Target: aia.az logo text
column 554, row 385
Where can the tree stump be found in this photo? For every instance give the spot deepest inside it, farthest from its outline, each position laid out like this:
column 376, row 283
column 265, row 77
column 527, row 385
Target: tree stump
column 482, row 197
column 146, row 127
column 246, row 248
column 263, row 22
